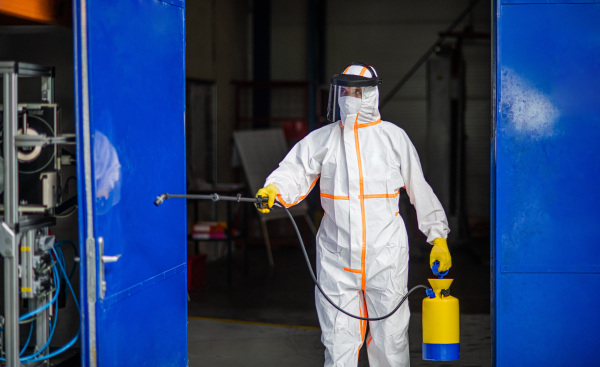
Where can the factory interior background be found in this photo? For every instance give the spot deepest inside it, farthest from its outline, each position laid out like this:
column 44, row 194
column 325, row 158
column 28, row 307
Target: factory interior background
column 445, row 103
column 215, row 283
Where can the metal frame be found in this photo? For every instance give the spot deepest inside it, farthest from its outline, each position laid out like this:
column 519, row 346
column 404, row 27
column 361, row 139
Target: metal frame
column 493, row 107
column 87, row 269
column 11, row 71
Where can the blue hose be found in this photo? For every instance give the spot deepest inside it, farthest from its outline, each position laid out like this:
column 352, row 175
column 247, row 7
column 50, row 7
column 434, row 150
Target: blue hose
column 60, row 261
column 52, row 327
column 27, row 359
column 64, row 273
column 56, row 352
column 28, row 340
column 54, row 298
column 75, row 252
column 31, row 359
column 60, row 243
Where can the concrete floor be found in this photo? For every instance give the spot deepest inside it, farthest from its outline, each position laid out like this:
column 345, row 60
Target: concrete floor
column 268, row 318
column 229, row 343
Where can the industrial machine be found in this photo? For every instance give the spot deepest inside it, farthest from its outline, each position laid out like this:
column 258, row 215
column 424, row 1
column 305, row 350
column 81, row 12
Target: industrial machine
column 30, row 180
column 84, row 94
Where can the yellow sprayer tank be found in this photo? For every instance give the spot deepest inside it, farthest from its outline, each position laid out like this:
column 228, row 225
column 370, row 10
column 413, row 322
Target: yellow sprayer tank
column 441, row 332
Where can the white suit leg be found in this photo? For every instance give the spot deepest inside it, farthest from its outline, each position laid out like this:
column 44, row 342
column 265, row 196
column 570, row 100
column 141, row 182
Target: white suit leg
column 387, row 343
column 341, row 335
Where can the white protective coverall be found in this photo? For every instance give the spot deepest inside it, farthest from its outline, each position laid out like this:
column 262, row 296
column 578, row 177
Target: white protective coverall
column 362, row 245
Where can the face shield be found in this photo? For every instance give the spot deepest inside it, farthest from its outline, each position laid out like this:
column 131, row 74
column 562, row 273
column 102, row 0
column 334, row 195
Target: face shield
column 347, row 85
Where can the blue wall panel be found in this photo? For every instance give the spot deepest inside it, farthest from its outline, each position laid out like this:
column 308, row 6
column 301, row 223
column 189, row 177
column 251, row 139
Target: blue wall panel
column 137, row 102
column 545, row 320
column 546, row 171
column 136, row 53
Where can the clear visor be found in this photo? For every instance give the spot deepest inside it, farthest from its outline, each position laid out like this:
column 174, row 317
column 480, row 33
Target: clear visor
column 333, row 106
column 346, row 85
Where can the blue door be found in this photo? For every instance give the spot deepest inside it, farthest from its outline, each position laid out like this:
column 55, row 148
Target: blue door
column 130, row 107
column 547, row 168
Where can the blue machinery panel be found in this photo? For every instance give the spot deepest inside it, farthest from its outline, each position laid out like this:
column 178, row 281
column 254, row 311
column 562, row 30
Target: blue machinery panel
column 135, row 83
column 546, row 197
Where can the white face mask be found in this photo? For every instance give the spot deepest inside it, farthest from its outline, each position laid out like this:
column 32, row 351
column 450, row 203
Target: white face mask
column 349, row 106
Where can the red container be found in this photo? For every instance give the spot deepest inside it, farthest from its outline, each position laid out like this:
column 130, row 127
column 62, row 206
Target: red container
column 196, row 271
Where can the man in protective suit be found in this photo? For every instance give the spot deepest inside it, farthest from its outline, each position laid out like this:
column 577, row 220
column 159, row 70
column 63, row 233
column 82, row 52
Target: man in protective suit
column 362, row 245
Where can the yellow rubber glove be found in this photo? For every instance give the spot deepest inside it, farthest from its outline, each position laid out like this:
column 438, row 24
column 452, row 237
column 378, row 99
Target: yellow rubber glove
column 271, row 192
column 440, row 253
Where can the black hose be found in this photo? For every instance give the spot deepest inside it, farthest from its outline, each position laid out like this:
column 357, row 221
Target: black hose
column 262, row 200
column 312, row 274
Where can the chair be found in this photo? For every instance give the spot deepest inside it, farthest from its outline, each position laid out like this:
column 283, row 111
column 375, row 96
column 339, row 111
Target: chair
column 260, row 152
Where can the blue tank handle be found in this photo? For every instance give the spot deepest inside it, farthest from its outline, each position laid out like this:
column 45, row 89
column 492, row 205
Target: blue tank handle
column 436, row 265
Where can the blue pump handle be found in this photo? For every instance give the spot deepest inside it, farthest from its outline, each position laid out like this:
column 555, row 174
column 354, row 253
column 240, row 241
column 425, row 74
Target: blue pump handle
column 436, row 265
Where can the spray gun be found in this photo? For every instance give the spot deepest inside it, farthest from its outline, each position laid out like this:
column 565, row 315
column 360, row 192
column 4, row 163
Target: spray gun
column 260, row 201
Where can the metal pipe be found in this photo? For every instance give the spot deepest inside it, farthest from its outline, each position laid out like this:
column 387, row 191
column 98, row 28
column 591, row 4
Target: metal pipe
column 27, row 265
column 11, row 217
column 88, row 252
column 41, row 325
column 427, row 53
column 214, row 197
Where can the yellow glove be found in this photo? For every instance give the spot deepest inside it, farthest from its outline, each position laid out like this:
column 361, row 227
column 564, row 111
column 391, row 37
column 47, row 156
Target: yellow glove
column 271, row 192
column 440, row 253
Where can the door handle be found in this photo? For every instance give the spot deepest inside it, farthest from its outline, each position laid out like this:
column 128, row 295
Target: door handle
column 104, row 259
column 110, row 259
